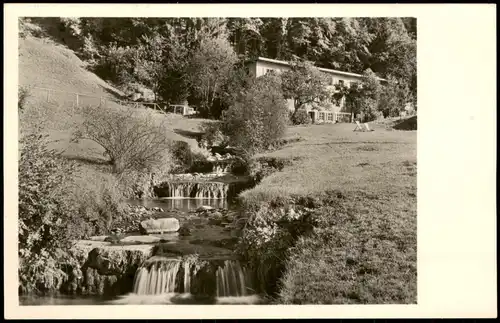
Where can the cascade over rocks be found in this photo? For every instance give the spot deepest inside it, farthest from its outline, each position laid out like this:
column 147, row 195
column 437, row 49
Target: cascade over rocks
column 116, row 261
column 103, row 268
column 201, row 278
column 190, row 189
column 200, row 259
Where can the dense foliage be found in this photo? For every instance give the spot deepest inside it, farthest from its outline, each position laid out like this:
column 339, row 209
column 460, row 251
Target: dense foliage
column 180, row 58
column 304, row 83
column 43, row 214
column 22, row 96
column 209, row 69
column 258, row 118
column 300, row 116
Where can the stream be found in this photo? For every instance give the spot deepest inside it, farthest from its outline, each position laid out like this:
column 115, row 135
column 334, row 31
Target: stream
column 175, row 280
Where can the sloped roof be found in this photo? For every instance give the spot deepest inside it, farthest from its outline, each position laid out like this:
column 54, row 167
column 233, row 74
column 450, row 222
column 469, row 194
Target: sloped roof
column 327, row 70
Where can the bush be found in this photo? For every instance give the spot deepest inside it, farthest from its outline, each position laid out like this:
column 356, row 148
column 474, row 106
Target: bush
column 44, row 214
column 258, row 117
column 267, row 237
column 369, row 110
column 407, row 124
column 115, row 64
column 58, row 204
column 29, row 29
column 181, row 152
column 23, row 94
column 97, row 199
column 212, row 135
column 300, row 117
column 132, row 139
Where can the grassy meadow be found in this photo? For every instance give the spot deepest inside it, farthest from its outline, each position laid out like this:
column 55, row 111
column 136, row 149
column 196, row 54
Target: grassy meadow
column 364, row 248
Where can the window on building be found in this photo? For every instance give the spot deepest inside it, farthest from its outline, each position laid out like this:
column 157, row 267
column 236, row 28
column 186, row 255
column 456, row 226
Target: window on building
column 269, row 70
column 341, row 82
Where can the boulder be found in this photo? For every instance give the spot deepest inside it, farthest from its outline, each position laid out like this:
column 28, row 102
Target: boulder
column 117, row 260
column 162, row 225
column 216, row 214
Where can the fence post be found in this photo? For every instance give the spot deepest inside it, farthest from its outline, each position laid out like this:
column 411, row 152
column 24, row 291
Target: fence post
column 77, row 99
column 48, row 95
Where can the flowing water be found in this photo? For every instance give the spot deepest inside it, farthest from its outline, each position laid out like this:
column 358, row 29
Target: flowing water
column 197, row 190
column 232, row 280
column 183, row 204
column 170, row 281
column 162, row 280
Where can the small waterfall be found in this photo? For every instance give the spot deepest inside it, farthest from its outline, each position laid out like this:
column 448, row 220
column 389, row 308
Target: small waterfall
column 212, row 190
column 200, row 190
column 156, row 278
column 221, row 167
column 232, row 280
column 187, row 278
column 160, row 275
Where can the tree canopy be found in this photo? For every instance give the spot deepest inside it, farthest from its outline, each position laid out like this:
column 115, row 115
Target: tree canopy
column 160, row 52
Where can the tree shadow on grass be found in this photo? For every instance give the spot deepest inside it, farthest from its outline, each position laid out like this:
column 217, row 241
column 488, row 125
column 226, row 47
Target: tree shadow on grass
column 88, row 160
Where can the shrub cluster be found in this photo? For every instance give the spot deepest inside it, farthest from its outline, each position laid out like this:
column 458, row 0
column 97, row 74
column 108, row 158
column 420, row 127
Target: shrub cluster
column 59, row 203
column 258, row 117
column 269, row 233
column 212, row 135
column 44, row 214
column 300, row 117
column 23, row 94
column 133, row 140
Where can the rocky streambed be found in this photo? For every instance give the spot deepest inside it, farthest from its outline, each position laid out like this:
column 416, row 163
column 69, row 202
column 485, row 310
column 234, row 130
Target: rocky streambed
column 180, row 243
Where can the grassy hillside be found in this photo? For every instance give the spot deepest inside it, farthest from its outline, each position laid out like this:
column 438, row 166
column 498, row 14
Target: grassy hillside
column 335, row 157
column 362, row 248
column 46, row 64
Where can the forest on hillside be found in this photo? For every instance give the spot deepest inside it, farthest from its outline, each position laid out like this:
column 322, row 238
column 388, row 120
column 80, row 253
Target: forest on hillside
column 201, row 59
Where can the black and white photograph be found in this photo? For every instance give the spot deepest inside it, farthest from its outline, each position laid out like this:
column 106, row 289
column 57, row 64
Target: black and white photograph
column 212, row 160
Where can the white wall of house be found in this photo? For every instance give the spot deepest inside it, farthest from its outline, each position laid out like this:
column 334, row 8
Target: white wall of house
column 260, row 68
column 263, row 67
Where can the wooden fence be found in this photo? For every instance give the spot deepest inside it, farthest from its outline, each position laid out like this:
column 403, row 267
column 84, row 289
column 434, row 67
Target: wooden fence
column 330, row 116
column 81, row 99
